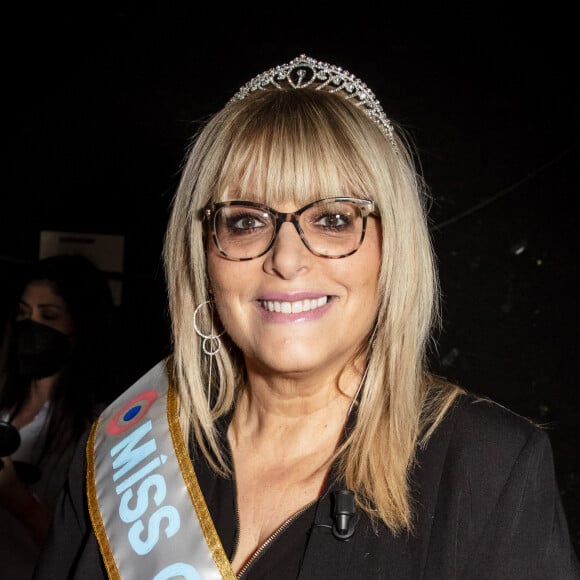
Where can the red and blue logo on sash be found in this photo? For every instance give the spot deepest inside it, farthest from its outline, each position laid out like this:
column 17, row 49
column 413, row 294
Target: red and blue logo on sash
column 131, row 413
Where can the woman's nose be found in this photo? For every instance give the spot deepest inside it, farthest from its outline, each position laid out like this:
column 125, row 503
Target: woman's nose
column 288, row 256
column 35, row 315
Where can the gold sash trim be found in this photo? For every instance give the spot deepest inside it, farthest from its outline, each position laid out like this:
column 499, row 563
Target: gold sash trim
column 197, row 499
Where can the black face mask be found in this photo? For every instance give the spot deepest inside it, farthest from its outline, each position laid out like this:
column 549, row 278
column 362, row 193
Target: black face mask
column 41, row 350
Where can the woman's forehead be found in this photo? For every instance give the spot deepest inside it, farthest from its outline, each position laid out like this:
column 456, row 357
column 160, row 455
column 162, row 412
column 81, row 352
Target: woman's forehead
column 41, row 291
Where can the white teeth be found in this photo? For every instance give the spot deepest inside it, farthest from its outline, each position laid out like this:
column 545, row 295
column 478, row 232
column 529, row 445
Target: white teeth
column 294, row 307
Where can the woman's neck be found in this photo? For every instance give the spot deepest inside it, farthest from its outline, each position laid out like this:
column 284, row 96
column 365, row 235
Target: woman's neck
column 294, row 414
column 40, row 392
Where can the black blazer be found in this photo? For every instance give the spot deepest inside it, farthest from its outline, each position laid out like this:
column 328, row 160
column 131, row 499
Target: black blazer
column 487, row 507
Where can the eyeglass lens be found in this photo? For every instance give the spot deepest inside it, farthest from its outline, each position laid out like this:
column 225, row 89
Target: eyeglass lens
column 328, row 228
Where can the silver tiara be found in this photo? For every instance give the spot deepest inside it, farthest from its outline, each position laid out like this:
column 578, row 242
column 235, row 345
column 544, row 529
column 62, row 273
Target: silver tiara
column 304, row 71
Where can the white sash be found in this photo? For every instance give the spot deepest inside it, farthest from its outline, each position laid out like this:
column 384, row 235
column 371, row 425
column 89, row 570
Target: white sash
column 146, row 507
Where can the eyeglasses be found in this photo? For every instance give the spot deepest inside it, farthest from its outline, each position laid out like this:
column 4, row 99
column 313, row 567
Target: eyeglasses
column 330, row 228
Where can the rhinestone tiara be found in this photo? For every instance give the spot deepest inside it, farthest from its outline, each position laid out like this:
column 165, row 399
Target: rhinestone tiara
column 303, row 71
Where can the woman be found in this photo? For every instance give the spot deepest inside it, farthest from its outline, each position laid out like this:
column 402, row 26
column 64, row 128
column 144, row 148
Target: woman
column 295, row 432
column 49, row 389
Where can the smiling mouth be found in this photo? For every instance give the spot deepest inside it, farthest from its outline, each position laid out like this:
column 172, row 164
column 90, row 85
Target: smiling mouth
column 294, row 307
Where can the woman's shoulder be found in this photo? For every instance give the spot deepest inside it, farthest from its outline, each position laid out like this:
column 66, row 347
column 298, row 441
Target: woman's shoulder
column 482, row 428
column 481, row 450
column 485, row 416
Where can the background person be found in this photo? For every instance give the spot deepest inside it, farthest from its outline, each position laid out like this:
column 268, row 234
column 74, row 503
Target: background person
column 54, row 377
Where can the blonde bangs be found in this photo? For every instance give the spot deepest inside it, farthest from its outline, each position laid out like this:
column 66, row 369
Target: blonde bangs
column 308, row 155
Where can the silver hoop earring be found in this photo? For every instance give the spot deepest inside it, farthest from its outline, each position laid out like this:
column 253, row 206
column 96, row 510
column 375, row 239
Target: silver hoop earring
column 211, row 344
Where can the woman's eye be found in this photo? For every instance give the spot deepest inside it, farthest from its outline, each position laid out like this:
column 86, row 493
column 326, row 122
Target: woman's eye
column 245, row 223
column 49, row 316
column 332, row 220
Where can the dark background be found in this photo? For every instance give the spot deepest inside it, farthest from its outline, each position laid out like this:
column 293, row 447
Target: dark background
column 99, row 107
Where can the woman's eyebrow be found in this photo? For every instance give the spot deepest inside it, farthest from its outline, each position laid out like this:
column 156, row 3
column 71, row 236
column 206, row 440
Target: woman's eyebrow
column 52, row 305
column 44, row 305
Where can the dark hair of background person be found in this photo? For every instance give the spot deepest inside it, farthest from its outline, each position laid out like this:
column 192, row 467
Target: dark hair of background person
column 88, row 380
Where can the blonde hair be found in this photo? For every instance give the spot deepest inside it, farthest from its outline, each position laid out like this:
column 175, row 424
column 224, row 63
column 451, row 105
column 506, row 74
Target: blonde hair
column 300, row 145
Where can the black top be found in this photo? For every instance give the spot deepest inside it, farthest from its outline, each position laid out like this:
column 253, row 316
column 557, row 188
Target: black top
column 487, row 507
